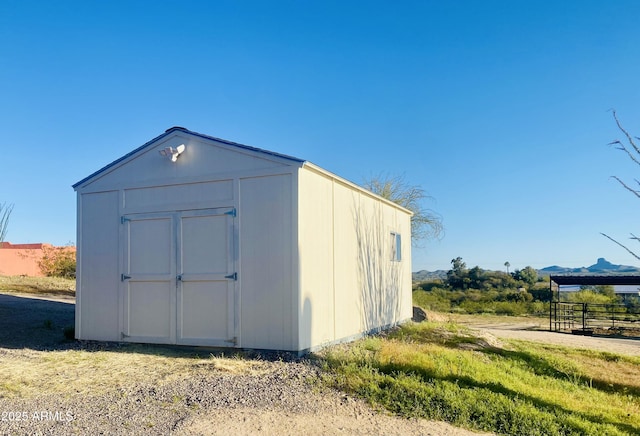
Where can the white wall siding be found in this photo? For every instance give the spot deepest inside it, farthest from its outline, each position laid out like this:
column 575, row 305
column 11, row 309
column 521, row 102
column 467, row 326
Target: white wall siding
column 179, row 196
column 348, row 301
column 97, row 305
column 316, row 258
column 267, row 299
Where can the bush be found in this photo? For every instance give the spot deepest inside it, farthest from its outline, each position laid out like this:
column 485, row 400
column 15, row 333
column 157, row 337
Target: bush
column 511, row 308
column 431, row 301
column 58, row 262
column 539, row 308
column 589, row 296
column 501, row 301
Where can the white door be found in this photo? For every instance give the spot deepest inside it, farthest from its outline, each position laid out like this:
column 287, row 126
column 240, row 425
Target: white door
column 206, row 278
column 179, row 279
column 149, row 278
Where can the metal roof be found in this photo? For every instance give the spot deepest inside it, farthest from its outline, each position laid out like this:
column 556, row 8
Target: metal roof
column 596, row 280
column 200, row 135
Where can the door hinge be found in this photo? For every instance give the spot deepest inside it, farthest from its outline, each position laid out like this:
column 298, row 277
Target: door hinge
column 233, row 341
column 124, row 277
column 124, row 219
column 124, row 335
column 232, row 212
column 233, row 276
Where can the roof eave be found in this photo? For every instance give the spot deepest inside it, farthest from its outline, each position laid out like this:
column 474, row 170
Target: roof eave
column 355, row 186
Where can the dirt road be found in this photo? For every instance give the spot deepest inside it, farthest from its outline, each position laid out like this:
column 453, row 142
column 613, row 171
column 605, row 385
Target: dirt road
column 530, row 331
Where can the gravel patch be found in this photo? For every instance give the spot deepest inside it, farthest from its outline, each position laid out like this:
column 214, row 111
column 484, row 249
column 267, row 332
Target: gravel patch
column 286, row 400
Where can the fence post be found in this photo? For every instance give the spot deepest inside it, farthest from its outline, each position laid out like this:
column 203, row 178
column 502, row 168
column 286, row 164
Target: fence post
column 584, row 313
column 613, row 317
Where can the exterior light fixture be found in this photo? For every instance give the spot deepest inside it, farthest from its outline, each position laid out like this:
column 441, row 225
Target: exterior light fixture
column 173, row 153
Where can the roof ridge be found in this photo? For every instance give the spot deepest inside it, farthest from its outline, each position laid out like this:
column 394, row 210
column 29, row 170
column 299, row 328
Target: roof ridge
column 190, row 132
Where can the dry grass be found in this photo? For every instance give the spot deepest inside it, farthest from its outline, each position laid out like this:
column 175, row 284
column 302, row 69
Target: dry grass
column 26, row 373
column 46, row 286
column 541, row 323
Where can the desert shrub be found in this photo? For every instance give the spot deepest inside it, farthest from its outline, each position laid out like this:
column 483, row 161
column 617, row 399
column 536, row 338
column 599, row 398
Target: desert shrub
column 540, row 293
column 431, row 301
column 475, row 307
column 538, row 308
column 58, row 262
column 589, row 296
column 511, row 308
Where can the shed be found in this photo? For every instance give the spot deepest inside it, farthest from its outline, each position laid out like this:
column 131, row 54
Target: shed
column 196, row 240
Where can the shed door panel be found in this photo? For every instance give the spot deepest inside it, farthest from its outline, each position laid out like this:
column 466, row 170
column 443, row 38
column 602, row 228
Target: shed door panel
column 206, row 287
column 149, row 279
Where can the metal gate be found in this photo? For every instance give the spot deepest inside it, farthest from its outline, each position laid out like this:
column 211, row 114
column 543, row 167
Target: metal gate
column 587, row 317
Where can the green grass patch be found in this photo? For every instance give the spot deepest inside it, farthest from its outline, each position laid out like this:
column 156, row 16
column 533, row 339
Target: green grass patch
column 444, row 372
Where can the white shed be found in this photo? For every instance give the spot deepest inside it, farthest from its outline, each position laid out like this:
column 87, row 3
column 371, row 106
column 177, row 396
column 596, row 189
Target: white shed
column 195, row 240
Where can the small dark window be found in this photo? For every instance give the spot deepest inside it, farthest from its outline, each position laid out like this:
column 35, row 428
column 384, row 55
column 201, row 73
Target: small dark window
column 396, row 247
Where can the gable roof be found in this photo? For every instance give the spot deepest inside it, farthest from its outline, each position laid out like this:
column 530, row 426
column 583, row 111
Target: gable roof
column 200, row 135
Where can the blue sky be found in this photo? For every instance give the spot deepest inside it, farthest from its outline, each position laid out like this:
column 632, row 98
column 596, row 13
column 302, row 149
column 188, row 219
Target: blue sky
column 498, row 109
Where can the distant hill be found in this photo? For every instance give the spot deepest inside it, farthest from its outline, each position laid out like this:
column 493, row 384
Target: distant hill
column 602, row 267
column 424, row 275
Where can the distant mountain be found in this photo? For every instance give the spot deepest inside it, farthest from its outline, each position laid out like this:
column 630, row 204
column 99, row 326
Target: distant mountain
column 602, row 266
column 423, row 275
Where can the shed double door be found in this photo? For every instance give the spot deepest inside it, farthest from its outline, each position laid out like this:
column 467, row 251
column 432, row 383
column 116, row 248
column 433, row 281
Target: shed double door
column 179, row 278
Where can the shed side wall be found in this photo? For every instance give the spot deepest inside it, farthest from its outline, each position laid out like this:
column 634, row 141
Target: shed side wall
column 349, row 283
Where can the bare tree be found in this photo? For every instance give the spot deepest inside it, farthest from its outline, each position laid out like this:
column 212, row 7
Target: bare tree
column 629, row 146
column 5, row 213
column 425, row 223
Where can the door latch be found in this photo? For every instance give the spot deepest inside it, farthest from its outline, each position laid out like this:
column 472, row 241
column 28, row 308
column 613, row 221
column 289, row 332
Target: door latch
column 233, row 276
column 124, row 277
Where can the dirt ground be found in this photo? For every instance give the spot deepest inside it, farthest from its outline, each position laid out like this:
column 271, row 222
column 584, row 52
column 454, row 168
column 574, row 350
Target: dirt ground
column 535, row 331
column 33, row 323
